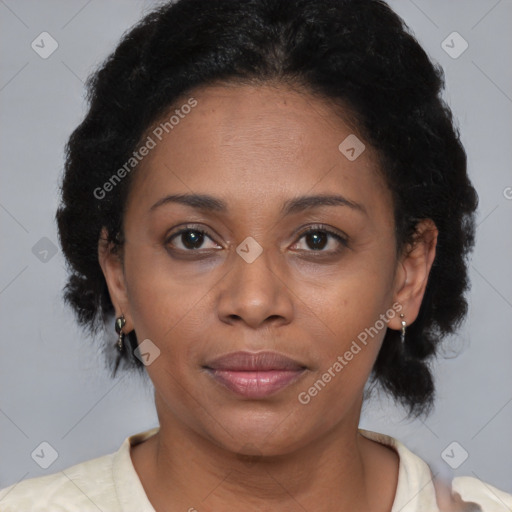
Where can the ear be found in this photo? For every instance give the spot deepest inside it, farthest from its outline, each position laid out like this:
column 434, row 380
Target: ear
column 413, row 271
column 112, row 267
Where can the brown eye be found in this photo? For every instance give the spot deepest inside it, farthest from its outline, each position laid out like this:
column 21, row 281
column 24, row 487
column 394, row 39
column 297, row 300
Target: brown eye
column 317, row 239
column 190, row 239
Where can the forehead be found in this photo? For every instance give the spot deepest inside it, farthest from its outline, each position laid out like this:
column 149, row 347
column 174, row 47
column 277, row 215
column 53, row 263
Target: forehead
column 255, row 144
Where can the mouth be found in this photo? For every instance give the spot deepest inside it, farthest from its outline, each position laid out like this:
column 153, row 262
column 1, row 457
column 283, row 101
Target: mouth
column 255, row 374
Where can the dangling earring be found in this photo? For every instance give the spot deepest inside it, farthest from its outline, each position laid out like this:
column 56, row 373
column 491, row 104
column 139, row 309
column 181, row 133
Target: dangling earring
column 404, row 325
column 120, row 322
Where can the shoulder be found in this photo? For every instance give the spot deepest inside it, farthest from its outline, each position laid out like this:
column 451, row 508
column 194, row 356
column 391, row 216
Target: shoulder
column 483, row 494
column 87, row 486
column 418, row 489
column 108, row 483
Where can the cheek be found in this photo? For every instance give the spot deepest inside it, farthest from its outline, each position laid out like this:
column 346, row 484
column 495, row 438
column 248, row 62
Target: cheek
column 158, row 301
column 352, row 308
column 171, row 310
column 345, row 355
column 353, row 298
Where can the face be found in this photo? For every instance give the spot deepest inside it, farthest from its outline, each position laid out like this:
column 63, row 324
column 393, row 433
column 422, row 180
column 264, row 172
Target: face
column 292, row 254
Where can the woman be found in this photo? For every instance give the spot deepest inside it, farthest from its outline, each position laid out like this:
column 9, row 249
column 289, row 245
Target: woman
column 269, row 203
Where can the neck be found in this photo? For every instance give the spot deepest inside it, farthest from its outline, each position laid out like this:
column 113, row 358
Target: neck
column 190, row 472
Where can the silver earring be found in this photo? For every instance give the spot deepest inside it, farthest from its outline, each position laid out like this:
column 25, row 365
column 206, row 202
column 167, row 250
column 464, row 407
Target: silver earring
column 404, row 325
column 120, row 322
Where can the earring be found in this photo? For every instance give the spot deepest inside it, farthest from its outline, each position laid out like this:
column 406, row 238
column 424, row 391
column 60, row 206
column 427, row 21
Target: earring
column 120, row 322
column 404, row 325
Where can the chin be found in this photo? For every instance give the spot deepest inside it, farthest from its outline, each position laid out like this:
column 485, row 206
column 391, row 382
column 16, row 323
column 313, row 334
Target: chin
column 261, row 433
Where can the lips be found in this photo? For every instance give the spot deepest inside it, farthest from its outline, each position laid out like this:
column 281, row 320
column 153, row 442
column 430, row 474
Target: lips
column 255, row 374
column 254, row 361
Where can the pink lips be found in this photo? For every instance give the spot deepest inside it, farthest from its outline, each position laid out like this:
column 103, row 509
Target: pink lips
column 255, row 374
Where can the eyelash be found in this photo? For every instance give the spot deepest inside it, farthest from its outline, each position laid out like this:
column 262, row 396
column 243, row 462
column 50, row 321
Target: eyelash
column 319, row 228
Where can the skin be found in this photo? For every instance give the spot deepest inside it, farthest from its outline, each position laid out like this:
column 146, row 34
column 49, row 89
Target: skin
column 256, row 147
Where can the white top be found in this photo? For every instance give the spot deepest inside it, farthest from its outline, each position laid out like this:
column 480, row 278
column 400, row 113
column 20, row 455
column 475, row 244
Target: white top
column 110, row 483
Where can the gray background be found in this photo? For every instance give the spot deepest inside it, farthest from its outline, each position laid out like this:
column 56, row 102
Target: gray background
column 54, row 389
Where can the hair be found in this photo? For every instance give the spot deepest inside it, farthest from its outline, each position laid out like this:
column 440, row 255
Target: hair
column 357, row 53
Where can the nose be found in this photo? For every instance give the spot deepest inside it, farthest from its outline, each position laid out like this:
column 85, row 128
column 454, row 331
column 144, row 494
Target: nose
column 255, row 293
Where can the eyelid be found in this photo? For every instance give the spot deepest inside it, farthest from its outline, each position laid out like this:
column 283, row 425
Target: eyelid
column 320, row 255
column 189, row 227
column 341, row 237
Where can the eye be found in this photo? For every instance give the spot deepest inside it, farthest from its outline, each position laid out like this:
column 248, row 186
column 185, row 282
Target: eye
column 317, row 238
column 189, row 239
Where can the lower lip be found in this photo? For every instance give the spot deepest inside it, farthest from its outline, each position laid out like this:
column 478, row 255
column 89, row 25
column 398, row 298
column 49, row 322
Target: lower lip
column 253, row 384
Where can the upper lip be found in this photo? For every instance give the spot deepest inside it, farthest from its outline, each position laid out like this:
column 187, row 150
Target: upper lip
column 254, row 361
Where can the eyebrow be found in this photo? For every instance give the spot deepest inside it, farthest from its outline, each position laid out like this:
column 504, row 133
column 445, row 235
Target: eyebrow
column 209, row 203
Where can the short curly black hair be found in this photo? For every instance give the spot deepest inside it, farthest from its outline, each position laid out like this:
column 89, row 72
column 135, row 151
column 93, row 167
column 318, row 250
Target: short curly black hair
column 358, row 53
